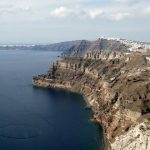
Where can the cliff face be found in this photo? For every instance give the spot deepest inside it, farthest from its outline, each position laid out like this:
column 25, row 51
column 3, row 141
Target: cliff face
column 116, row 87
column 83, row 47
column 107, row 45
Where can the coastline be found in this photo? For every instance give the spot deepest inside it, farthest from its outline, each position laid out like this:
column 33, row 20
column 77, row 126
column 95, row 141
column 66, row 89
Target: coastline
column 115, row 90
column 106, row 144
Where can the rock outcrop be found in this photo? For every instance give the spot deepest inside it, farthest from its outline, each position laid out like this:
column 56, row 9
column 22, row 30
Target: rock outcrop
column 116, row 85
column 137, row 138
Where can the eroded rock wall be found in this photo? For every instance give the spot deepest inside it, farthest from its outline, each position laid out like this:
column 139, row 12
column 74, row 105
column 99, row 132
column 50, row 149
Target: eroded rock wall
column 117, row 90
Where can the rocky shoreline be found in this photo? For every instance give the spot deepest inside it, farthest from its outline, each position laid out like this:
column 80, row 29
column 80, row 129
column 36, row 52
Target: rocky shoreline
column 116, row 88
column 43, row 84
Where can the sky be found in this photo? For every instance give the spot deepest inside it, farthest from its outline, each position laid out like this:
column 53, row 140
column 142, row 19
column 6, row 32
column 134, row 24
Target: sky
column 50, row 21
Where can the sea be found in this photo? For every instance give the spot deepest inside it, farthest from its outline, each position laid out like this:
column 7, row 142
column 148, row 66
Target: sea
column 41, row 119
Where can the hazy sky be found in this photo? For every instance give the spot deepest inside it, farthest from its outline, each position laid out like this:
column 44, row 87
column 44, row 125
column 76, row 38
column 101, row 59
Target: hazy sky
column 48, row 21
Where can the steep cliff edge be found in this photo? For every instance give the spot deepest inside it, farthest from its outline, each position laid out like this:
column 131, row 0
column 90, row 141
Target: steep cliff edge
column 117, row 88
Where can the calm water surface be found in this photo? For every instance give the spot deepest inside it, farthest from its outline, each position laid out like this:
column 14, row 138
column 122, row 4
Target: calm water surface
column 40, row 119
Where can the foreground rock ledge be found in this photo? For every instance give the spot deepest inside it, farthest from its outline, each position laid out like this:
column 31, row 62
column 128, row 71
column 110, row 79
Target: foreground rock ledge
column 116, row 88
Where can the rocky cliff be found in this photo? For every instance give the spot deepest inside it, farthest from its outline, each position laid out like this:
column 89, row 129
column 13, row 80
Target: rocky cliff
column 116, row 85
column 81, row 48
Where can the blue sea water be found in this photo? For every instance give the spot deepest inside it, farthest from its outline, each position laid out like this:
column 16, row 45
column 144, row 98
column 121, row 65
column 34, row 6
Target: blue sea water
column 41, row 119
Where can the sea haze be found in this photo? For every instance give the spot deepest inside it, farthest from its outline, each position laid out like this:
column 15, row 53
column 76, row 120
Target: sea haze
column 40, row 119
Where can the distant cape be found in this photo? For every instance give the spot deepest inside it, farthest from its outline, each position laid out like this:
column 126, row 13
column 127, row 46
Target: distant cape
column 79, row 48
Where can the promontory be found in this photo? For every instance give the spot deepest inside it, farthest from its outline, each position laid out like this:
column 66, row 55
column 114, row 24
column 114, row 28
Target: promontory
column 114, row 77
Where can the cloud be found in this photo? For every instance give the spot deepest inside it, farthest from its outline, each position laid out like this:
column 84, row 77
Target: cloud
column 12, row 9
column 147, row 11
column 127, row 1
column 117, row 10
column 113, row 13
column 121, row 16
column 60, row 12
column 76, row 12
column 95, row 13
